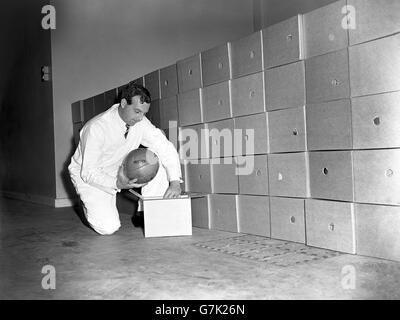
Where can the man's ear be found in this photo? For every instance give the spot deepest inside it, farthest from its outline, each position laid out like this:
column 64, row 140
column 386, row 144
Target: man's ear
column 123, row 102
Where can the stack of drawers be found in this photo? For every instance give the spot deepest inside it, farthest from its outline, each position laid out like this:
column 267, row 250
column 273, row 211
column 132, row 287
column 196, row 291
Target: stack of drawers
column 293, row 132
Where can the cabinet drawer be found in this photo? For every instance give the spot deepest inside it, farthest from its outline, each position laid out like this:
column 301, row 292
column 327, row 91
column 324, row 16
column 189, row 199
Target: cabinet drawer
column 168, row 81
column 330, row 225
column 223, row 212
column 215, row 65
column 327, row 77
column 76, row 112
column 154, row 113
column 285, row 86
column 248, row 95
column 198, row 177
column 283, row 42
column 88, row 109
column 200, row 214
column 288, row 175
column 375, row 66
column 254, row 129
column 189, row 73
column 374, row 19
column 376, row 121
column 220, row 138
column 193, row 142
column 223, row 176
column 376, row 176
column 246, row 55
column 99, row 104
column 152, row 83
column 287, row 219
column 324, row 31
column 216, row 102
column 378, row 231
column 110, row 98
column 168, row 111
column 329, row 125
column 331, row 175
column 254, row 216
column 287, row 130
column 189, row 107
column 254, row 180
column 77, row 129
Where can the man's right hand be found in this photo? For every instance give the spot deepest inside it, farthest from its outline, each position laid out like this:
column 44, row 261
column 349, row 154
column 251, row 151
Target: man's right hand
column 123, row 181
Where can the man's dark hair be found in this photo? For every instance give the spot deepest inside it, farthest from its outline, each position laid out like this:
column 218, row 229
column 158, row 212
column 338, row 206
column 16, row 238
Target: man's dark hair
column 133, row 89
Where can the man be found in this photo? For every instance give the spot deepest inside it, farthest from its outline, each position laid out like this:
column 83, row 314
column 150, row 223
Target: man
column 96, row 167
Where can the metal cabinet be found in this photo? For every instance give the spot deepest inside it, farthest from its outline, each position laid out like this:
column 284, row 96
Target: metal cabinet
column 76, row 109
column 110, row 98
column 194, row 142
column 221, row 138
column 99, row 104
column 200, row 212
column 88, row 109
column 154, row 113
column 198, row 176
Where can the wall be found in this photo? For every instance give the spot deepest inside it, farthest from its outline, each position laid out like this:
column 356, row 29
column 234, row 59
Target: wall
column 26, row 115
column 269, row 12
column 99, row 45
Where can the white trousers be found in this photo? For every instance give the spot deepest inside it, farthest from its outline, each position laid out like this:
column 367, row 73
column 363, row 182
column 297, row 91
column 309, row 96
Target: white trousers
column 100, row 207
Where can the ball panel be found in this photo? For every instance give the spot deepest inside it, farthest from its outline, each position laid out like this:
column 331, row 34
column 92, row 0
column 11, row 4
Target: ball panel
column 141, row 164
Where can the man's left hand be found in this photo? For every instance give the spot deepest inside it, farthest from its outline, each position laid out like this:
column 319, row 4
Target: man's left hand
column 174, row 190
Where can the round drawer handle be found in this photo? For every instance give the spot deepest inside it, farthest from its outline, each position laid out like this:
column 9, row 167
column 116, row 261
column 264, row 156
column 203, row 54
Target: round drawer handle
column 292, row 219
column 246, row 137
column 280, row 176
column 190, row 72
column 331, row 37
column 200, row 176
column 377, row 121
column 216, row 142
column 165, row 82
column 295, row 132
column 252, row 54
column 220, row 102
column 325, row 171
column 252, row 94
column 289, row 37
column 335, row 82
column 331, row 226
column 220, row 65
column 258, row 172
column 389, row 173
column 218, row 211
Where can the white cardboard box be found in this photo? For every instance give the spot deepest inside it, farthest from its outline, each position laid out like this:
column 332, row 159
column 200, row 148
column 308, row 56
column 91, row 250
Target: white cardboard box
column 167, row 217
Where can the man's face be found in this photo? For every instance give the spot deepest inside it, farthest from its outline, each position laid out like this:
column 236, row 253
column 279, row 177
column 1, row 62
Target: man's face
column 133, row 113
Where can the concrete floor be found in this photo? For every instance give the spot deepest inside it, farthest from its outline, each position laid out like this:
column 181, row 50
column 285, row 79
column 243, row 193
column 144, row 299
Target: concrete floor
column 128, row 266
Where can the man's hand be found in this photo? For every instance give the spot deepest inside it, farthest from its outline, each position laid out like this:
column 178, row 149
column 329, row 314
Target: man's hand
column 174, row 190
column 123, row 181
